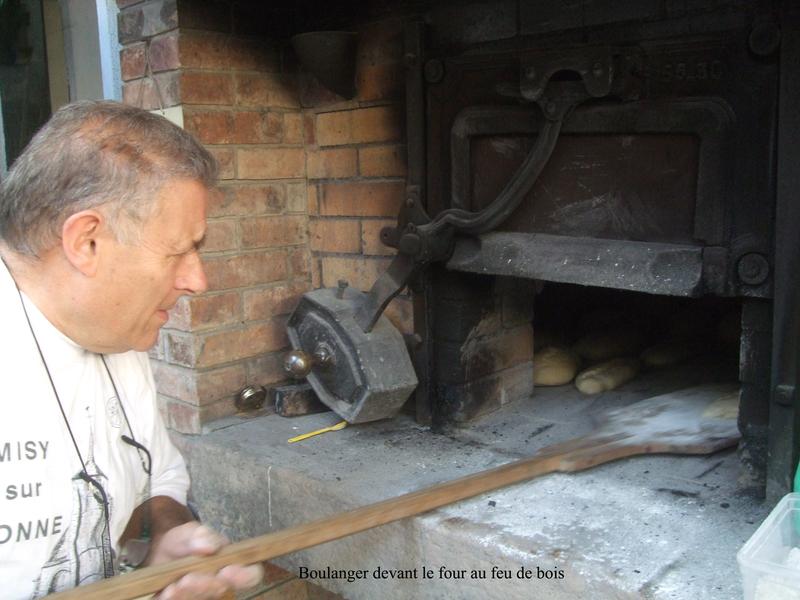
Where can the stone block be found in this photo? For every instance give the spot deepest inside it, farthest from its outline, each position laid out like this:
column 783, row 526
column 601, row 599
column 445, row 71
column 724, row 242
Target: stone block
column 295, row 400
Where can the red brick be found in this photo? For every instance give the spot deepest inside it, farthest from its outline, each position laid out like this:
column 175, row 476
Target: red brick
column 266, row 369
column 247, row 128
column 273, row 127
column 218, row 410
column 296, row 195
column 360, row 272
column 180, row 348
column 229, row 272
column 361, row 199
column 335, row 128
column 377, row 124
column 206, row 50
column 210, row 127
column 221, row 235
column 220, row 383
column 202, row 312
column 309, row 131
column 299, row 261
column 363, row 125
column 182, row 417
column 205, row 16
column 277, row 300
column 131, row 61
column 271, row 163
column 157, row 351
column 316, row 273
column 313, row 200
column 144, row 93
column 228, row 346
column 248, row 200
column 382, row 161
column 329, row 164
column 293, row 128
column 199, row 388
column 379, row 82
column 199, row 87
column 370, row 237
column 335, row 235
column 312, row 93
column 146, row 19
column 164, row 52
column 224, row 158
column 268, row 232
column 381, row 42
column 265, row 90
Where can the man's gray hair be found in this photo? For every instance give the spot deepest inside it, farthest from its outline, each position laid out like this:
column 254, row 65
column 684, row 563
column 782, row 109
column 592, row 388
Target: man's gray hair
column 95, row 154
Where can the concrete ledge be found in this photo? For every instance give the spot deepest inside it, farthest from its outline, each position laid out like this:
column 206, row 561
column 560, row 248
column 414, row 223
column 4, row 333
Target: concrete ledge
column 654, row 527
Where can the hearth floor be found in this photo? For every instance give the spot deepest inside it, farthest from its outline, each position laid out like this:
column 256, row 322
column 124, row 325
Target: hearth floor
column 656, row 527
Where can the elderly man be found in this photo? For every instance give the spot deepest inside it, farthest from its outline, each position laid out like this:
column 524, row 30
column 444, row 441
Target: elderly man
column 101, row 219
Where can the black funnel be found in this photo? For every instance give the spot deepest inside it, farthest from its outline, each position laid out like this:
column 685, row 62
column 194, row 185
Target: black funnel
column 331, row 57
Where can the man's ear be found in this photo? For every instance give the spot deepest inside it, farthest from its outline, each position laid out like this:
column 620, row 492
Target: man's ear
column 79, row 237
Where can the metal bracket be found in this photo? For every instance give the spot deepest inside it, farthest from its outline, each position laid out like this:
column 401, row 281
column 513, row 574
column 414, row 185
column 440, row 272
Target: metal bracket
column 421, row 240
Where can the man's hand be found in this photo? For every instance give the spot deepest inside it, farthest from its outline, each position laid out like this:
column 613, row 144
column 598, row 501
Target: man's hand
column 194, row 539
column 175, row 534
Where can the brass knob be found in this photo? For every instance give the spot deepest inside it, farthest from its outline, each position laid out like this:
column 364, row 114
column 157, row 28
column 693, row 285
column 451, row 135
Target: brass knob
column 298, row 364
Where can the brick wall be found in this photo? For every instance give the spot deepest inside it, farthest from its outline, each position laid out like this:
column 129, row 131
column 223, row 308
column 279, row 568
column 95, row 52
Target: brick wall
column 306, row 182
column 356, row 167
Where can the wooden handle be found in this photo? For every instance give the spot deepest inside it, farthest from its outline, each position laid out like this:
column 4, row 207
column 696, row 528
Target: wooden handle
column 272, row 545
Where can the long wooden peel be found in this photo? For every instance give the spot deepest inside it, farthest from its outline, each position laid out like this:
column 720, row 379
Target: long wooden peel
column 695, row 421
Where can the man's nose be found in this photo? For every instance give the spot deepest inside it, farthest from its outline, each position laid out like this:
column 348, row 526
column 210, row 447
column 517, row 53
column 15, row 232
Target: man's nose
column 192, row 276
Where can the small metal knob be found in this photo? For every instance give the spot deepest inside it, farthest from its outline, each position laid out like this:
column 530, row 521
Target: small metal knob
column 298, row 364
column 251, row 398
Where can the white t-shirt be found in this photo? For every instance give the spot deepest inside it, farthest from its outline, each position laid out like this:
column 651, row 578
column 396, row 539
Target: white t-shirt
column 52, row 523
